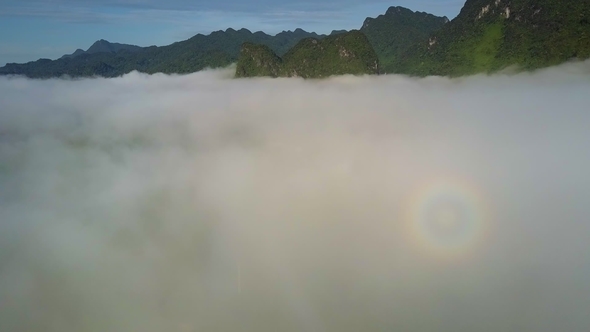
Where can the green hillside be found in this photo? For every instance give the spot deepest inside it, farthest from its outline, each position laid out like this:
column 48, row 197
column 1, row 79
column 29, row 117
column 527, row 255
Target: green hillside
column 338, row 54
column 489, row 35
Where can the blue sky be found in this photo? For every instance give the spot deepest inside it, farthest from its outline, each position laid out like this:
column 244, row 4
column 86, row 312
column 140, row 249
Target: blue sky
column 33, row 29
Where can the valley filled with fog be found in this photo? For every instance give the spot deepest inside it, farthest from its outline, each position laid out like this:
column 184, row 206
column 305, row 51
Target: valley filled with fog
column 207, row 203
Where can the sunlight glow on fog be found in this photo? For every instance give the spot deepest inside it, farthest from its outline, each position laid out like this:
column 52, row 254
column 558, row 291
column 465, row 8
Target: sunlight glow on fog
column 204, row 203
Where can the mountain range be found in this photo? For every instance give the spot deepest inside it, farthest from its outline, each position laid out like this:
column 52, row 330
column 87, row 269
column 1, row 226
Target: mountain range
column 486, row 36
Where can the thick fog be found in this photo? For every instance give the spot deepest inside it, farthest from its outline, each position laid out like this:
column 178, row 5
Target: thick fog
column 206, row 203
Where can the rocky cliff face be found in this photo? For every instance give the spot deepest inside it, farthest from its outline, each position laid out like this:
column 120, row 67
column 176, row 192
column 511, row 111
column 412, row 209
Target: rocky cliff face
column 340, row 54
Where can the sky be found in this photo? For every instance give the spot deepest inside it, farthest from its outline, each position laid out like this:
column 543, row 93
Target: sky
column 203, row 202
column 33, row 29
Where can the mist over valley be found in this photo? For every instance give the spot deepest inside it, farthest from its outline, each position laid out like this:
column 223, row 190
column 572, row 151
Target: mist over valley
column 206, row 203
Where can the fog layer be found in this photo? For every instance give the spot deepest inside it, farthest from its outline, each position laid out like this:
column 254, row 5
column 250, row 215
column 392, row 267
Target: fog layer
column 204, row 203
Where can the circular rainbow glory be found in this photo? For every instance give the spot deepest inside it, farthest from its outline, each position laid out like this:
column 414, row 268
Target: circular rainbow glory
column 448, row 218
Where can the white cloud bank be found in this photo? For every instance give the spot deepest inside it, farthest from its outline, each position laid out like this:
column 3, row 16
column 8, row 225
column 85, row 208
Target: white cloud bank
column 202, row 203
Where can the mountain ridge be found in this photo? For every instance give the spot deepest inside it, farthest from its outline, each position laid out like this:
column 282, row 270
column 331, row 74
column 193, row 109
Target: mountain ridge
column 105, row 46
